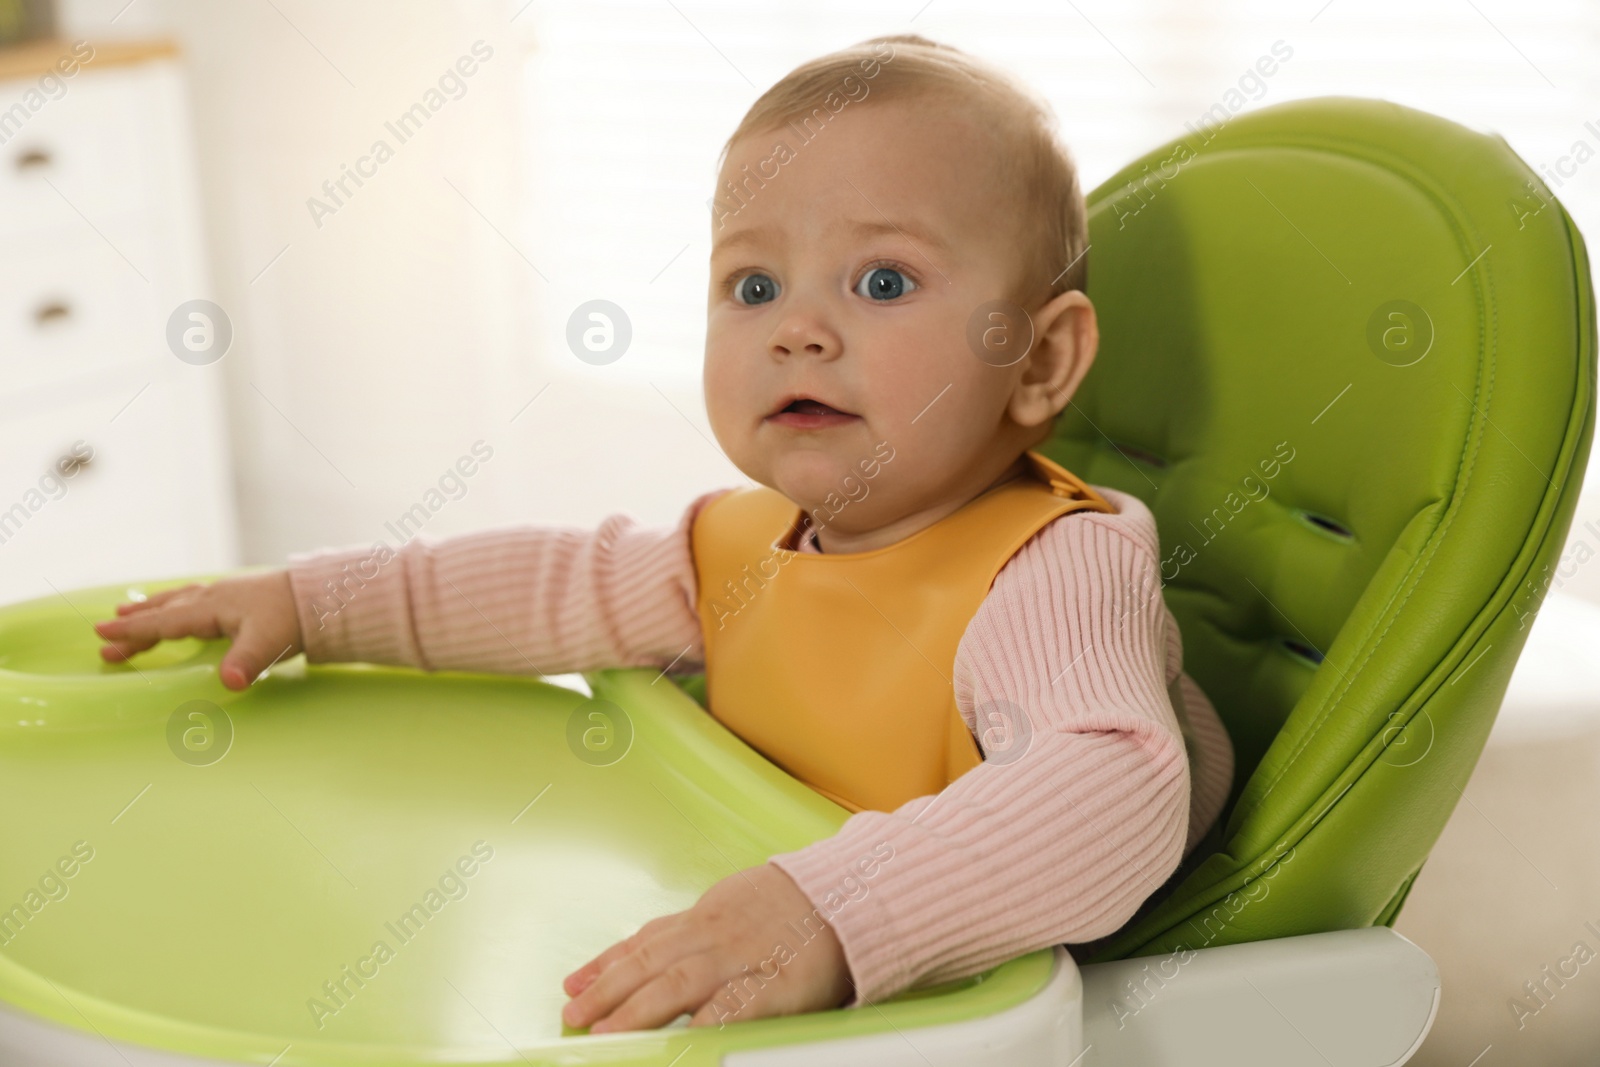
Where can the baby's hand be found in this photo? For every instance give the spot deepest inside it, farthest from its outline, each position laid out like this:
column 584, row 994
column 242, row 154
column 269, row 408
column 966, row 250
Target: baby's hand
column 685, row 962
column 256, row 610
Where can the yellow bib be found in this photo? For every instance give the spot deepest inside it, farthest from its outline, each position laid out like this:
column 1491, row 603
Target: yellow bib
column 837, row 667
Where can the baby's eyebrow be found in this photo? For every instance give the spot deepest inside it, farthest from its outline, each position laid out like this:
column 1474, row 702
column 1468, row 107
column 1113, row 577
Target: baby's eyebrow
column 920, row 237
column 911, row 231
column 752, row 235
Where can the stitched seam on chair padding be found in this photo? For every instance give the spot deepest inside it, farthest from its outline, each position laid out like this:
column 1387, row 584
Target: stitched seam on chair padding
column 1581, row 403
column 1569, row 448
column 1470, row 448
column 1580, row 417
column 1324, row 807
column 1398, row 167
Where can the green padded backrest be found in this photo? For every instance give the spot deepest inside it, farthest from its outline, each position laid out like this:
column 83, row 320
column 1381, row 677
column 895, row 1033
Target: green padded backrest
column 1347, row 359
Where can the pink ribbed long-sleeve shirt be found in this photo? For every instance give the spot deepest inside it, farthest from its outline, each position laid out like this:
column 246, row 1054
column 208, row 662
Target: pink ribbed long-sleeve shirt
column 1058, row 846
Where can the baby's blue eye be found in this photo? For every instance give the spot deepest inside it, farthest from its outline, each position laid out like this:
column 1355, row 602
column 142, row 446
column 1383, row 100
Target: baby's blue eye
column 884, row 283
column 755, row 289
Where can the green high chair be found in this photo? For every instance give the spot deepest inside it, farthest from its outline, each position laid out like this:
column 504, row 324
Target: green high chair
column 1348, row 360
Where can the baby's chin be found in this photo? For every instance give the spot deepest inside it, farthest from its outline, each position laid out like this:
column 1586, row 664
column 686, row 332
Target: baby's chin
column 811, row 474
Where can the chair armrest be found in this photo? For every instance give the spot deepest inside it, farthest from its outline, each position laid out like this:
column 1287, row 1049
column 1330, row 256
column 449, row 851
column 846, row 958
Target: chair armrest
column 1347, row 997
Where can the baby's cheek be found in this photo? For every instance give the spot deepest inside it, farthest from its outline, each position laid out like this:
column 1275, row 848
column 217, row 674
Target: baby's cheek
column 734, row 401
column 725, row 390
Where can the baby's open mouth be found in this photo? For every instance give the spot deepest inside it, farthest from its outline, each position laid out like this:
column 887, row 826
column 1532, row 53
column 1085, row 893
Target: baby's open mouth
column 814, row 407
column 807, row 413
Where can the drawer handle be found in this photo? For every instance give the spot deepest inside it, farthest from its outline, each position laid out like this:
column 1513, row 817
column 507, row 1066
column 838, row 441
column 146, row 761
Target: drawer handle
column 34, row 157
column 72, row 462
column 51, row 312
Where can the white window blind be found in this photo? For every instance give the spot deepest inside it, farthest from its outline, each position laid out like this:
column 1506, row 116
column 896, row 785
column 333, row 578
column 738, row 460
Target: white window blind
column 629, row 101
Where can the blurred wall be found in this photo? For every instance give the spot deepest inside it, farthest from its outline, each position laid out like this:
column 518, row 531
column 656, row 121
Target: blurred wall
column 376, row 344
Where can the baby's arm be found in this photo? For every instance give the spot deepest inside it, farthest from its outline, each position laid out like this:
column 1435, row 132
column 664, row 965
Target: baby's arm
column 1059, row 845
column 517, row 599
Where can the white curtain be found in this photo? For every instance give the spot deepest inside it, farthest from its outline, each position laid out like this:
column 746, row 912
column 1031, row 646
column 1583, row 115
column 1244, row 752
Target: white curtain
column 629, row 102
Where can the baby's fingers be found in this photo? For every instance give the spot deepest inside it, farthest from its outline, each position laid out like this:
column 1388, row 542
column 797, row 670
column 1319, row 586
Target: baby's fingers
column 118, row 651
column 584, row 976
column 154, row 600
column 616, row 982
column 249, row 655
column 138, row 631
column 685, row 986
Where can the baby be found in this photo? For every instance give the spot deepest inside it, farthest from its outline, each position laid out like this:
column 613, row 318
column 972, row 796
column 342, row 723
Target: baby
column 915, row 612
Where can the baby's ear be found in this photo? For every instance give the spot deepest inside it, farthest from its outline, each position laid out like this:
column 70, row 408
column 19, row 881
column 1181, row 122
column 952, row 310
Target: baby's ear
column 1066, row 336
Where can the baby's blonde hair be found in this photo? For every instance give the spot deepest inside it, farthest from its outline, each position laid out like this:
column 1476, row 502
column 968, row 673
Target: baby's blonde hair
column 1039, row 168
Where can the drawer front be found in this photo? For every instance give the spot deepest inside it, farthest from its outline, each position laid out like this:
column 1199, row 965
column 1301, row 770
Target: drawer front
column 70, row 309
column 80, row 152
column 103, row 490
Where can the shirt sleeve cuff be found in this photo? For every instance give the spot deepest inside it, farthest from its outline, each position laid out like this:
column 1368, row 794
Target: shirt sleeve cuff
column 837, row 874
column 333, row 621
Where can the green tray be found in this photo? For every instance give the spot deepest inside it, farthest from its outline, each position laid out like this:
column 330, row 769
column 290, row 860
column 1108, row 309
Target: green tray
column 230, row 853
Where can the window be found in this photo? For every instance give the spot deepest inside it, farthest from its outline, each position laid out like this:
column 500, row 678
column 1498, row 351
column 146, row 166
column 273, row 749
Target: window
column 628, row 103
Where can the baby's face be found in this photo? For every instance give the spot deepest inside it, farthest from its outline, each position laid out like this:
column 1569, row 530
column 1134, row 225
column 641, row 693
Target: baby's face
column 850, row 278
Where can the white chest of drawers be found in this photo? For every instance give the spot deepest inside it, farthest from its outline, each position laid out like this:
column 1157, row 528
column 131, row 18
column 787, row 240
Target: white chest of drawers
column 113, row 452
